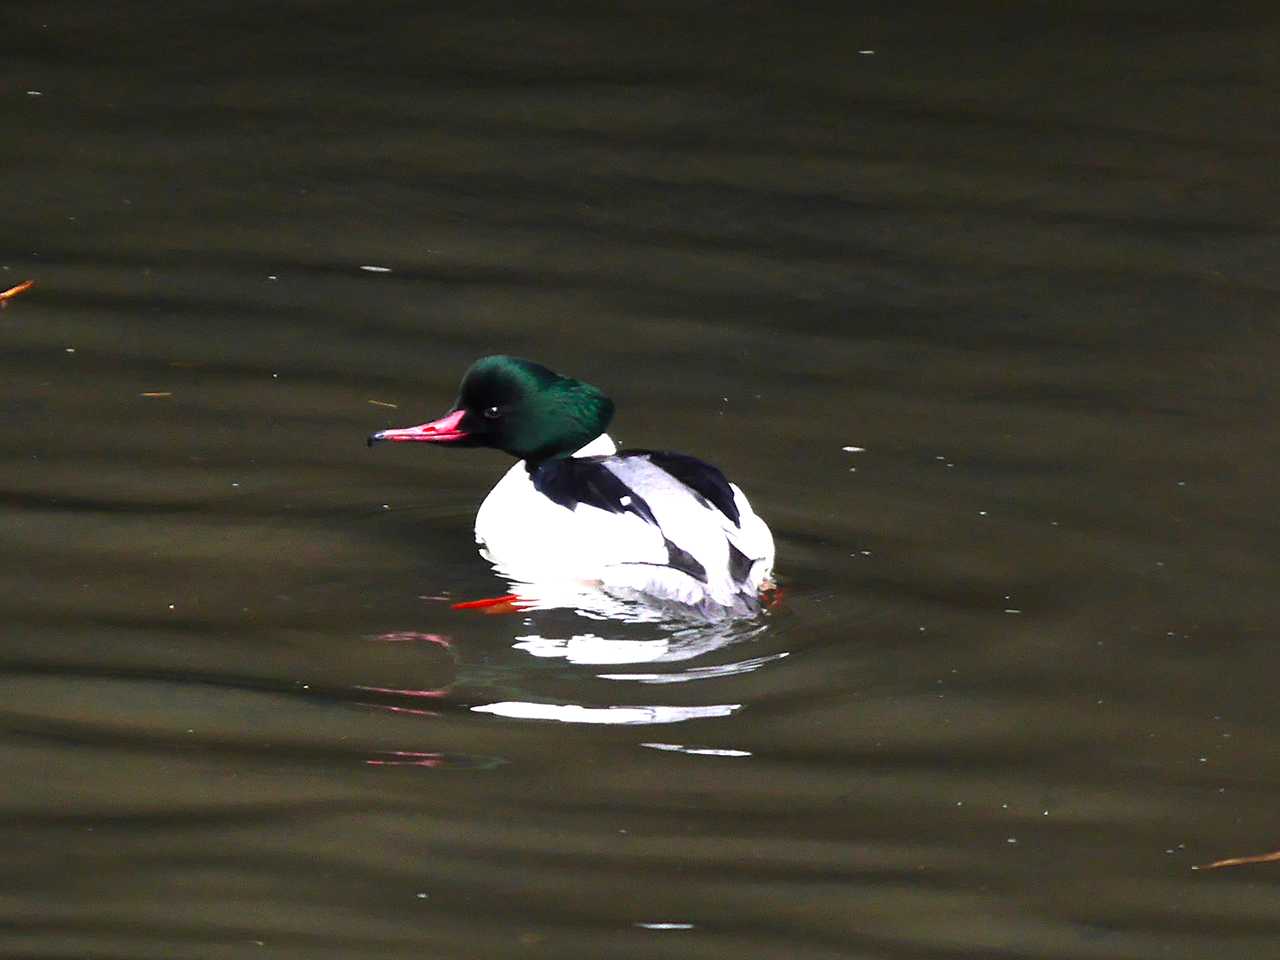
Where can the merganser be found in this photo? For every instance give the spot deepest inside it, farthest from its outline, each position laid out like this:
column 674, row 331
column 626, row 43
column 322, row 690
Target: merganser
column 639, row 525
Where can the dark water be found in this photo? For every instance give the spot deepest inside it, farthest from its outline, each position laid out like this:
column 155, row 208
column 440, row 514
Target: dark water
column 1024, row 676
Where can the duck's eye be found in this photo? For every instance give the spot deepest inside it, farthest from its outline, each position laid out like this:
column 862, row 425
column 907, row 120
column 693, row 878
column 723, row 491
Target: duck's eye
column 492, row 413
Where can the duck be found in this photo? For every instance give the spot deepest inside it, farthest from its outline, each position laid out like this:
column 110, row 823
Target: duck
column 576, row 513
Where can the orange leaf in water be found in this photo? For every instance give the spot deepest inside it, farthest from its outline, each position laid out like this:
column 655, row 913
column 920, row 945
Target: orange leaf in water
column 1240, row 861
column 12, row 292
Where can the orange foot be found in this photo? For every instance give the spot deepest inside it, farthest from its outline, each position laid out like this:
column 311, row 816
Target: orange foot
column 507, row 603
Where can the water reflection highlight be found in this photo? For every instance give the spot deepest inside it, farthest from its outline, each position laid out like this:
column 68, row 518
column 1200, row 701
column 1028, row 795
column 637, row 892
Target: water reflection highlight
column 574, row 713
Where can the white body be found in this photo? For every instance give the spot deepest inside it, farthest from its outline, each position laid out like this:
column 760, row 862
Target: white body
column 555, row 555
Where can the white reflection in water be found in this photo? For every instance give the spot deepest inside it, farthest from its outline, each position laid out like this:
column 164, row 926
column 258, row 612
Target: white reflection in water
column 669, row 647
column 697, row 673
column 666, row 644
column 590, row 648
column 573, row 713
column 697, row 751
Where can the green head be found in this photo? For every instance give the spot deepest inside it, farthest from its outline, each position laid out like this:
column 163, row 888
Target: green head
column 518, row 406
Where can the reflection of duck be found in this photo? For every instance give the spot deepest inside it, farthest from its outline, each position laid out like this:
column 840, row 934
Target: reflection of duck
column 577, row 513
column 474, row 685
column 670, row 645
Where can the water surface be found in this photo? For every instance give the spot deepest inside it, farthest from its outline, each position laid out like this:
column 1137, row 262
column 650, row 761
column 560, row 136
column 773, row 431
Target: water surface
column 1023, row 676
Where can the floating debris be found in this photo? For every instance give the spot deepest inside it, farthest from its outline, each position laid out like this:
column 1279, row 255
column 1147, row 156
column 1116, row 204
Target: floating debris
column 374, row 268
column 1240, row 861
column 383, row 403
column 407, row 758
column 153, row 394
column 12, row 292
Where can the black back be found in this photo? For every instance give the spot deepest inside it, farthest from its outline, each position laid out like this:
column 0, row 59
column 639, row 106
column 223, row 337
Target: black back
column 698, row 475
column 575, row 480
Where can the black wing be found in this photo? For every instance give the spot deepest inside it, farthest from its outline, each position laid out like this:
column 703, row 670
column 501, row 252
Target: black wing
column 576, row 480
